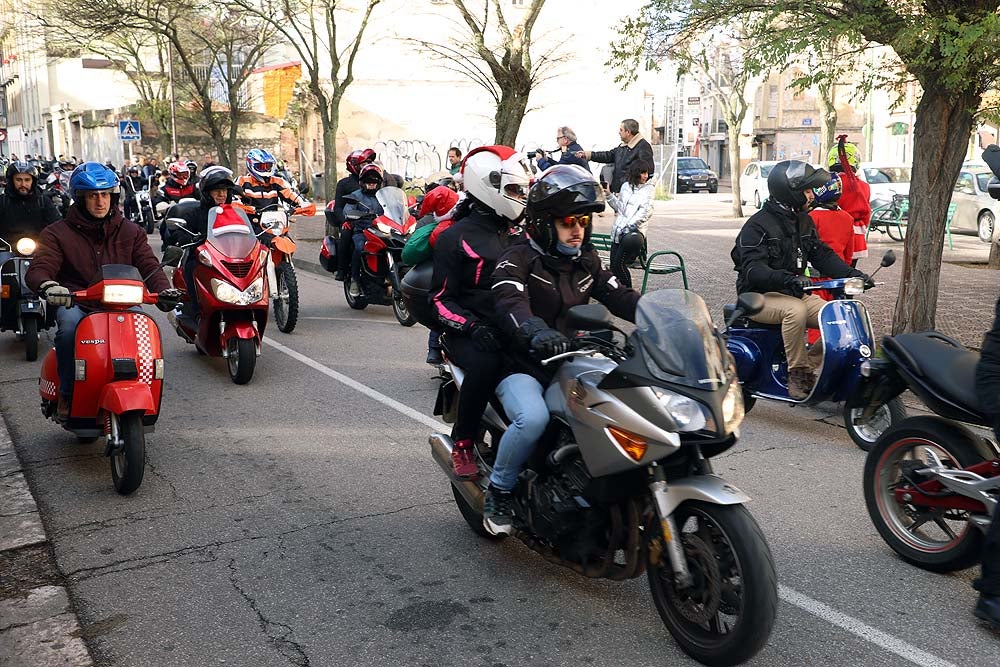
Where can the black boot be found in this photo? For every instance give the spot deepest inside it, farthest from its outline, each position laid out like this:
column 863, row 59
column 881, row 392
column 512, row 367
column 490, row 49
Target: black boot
column 988, row 610
column 434, row 357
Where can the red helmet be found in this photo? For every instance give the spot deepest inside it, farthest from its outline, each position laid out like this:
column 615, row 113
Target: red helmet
column 357, row 159
column 371, row 173
column 179, row 172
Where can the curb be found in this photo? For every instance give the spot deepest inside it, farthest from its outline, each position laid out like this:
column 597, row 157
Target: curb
column 38, row 625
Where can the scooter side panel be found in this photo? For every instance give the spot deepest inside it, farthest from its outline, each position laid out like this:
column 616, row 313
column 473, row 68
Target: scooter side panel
column 847, row 342
column 760, row 364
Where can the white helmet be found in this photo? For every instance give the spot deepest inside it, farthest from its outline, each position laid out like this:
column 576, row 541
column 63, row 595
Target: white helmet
column 498, row 177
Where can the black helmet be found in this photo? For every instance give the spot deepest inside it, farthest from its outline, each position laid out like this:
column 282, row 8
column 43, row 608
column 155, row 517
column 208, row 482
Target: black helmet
column 565, row 189
column 789, row 180
column 213, row 178
column 21, row 167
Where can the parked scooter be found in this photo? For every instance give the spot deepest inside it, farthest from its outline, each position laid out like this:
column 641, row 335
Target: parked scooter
column 846, row 341
column 622, row 483
column 119, row 374
column 21, row 310
column 931, row 483
column 381, row 267
column 231, row 284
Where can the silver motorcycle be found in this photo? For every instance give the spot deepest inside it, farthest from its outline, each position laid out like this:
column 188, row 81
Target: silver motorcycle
column 621, row 482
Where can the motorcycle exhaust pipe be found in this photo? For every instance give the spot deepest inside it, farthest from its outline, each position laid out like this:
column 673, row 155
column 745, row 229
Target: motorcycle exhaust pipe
column 441, row 446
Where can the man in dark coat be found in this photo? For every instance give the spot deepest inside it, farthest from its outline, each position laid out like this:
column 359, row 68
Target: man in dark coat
column 632, row 148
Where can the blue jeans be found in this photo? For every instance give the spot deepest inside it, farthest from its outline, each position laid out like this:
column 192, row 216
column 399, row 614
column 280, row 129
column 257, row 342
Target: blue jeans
column 359, row 246
column 523, row 399
column 66, row 321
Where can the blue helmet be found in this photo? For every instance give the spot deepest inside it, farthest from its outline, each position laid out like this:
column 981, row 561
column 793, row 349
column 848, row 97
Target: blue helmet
column 93, row 176
column 829, row 192
column 260, row 163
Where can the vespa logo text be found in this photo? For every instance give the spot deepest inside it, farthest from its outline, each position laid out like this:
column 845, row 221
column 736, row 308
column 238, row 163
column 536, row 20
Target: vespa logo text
column 93, row 341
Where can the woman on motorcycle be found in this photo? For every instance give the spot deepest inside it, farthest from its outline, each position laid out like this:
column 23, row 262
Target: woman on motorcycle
column 535, row 284
column 361, row 209
column 496, row 184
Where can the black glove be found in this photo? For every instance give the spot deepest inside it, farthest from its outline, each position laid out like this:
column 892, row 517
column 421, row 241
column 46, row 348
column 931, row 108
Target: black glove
column 168, row 299
column 869, row 281
column 485, row 338
column 797, row 285
column 548, row 343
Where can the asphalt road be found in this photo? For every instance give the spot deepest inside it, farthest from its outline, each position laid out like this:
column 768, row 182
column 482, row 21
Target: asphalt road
column 297, row 520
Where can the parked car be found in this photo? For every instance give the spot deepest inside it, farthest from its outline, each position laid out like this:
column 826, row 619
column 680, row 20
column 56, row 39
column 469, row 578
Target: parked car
column 753, row 182
column 975, row 211
column 885, row 180
column 693, row 175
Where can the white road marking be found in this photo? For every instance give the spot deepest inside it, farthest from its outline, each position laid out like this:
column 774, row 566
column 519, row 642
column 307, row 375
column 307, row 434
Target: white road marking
column 850, row 624
column 352, row 320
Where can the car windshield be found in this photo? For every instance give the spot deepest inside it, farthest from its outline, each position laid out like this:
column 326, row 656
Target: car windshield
column 393, row 201
column 765, row 169
column 234, row 238
column 887, row 174
column 680, row 342
column 691, row 163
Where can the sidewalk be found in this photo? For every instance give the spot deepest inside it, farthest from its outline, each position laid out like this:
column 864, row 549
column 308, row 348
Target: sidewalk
column 38, row 626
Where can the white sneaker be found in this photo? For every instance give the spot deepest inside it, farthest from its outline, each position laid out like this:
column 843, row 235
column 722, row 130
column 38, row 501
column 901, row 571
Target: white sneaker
column 354, row 290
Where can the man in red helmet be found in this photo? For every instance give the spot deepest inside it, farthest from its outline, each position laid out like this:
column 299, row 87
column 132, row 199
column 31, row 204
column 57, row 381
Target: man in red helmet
column 345, row 186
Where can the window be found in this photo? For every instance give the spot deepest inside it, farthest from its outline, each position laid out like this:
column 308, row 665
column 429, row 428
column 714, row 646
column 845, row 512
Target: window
column 983, row 180
column 749, row 171
column 772, row 102
column 964, row 184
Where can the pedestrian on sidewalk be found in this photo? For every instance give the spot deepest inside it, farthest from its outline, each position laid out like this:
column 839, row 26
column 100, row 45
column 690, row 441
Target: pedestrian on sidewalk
column 568, row 149
column 634, row 206
column 632, row 148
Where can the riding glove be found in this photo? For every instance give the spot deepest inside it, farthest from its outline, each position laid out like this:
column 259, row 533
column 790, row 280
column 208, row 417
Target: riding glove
column 486, row 338
column 168, row 299
column 55, row 294
column 797, row 285
column 869, row 281
column 548, row 343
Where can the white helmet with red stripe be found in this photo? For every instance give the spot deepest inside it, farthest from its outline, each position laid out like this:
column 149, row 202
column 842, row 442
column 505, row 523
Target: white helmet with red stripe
column 497, row 177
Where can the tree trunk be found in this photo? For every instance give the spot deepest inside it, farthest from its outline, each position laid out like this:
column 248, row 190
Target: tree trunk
column 828, row 122
column 994, row 251
column 944, row 121
column 329, row 116
column 511, row 109
column 735, row 168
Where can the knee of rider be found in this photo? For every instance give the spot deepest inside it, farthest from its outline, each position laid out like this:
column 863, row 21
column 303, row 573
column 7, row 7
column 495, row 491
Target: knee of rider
column 534, row 420
column 796, row 311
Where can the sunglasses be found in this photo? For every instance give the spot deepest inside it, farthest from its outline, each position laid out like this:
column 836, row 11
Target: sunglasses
column 571, row 221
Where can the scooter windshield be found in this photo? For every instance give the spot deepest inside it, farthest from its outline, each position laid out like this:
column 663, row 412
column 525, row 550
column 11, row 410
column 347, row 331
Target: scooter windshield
column 230, row 233
column 393, row 201
column 680, row 342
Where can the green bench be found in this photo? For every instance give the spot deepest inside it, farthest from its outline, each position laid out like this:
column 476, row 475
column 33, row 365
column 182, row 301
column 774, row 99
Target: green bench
column 650, row 266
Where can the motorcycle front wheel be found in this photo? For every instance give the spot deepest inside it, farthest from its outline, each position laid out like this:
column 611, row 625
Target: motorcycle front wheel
column 935, row 539
column 355, row 302
column 129, row 462
column 242, row 359
column 725, row 617
column 286, row 302
column 402, row 313
column 866, row 433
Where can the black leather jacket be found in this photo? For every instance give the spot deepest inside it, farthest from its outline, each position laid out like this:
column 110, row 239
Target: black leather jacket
column 25, row 216
column 988, row 373
column 776, row 243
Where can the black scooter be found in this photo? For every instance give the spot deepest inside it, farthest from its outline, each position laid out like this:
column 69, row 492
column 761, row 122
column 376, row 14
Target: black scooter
column 21, row 310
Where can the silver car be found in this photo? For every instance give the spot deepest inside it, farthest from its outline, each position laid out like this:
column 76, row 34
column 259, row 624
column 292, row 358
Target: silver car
column 975, row 211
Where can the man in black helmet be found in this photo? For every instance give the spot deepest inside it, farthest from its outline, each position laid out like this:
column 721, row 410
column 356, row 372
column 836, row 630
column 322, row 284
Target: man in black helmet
column 24, row 210
column 771, row 254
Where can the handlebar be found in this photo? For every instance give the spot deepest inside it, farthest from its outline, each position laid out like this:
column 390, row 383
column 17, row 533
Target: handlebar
column 571, row 353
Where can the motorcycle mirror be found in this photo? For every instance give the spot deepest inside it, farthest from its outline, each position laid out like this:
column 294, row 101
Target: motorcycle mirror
column 589, row 317
column 172, row 256
column 174, row 223
column 888, row 259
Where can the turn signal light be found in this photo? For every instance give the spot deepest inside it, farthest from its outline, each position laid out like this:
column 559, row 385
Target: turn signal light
column 5, row 292
column 634, row 445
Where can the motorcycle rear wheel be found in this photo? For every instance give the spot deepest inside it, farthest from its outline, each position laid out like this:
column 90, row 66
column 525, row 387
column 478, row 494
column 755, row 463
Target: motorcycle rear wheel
column 129, row 464
column 286, row 303
column 938, row 549
column 242, row 359
column 734, row 579
column 30, row 338
column 866, row 434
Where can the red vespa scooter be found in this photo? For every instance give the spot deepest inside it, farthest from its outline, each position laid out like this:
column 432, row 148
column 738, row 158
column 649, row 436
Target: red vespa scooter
column 231, row 285
column 118, row 374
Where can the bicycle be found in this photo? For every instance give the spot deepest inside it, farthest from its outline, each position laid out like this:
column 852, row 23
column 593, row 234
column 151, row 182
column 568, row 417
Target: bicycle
column 890, row 218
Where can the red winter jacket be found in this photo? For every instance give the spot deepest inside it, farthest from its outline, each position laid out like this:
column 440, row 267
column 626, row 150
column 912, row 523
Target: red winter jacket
column 73, row 250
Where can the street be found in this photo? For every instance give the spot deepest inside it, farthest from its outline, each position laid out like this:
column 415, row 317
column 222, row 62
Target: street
column 301, row 520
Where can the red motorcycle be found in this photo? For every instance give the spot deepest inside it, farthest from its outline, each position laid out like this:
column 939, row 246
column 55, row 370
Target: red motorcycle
column 382, row 270
column 231, row 284
column 118, row 374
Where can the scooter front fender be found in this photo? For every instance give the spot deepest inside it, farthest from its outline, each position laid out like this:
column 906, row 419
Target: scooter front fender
column 705, row 488
column 241, row 329
column 125, row 396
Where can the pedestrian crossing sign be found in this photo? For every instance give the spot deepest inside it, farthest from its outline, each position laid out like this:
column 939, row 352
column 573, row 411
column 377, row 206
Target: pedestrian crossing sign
column 128, row 130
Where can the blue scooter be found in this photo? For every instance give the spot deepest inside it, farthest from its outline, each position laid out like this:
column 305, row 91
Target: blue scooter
column 846, row 339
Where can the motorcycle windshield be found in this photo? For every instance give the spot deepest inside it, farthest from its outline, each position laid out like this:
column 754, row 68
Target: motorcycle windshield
column 230, row 233
column 393, row 201
column 680, row 342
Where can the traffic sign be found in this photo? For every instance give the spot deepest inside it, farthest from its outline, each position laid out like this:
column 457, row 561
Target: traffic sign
column 3, row 134
column 128, row 130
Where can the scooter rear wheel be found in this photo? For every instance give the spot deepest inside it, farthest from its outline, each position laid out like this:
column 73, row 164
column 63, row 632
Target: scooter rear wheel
column 242, row 359
column 866, row 434
column 129, row 463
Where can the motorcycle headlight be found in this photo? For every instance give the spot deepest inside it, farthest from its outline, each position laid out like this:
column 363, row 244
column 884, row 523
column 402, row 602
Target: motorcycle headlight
column 854, row 286
column 732, row 407
column 26, row 246
column 124, row 294
column 225, row 292
column 685, row 412
column 382, row 227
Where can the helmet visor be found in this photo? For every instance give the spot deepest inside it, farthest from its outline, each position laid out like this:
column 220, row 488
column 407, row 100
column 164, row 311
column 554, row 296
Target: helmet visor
column 263, row 167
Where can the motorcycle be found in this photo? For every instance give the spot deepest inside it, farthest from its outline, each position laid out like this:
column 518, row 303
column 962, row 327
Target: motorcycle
column 281, row 280
column 381, row 268
column 931, row 483
column 55, row 189
column 622, row 482
column 231, row 284
column 21, row 311
column 119, row 374
column 846, row 340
